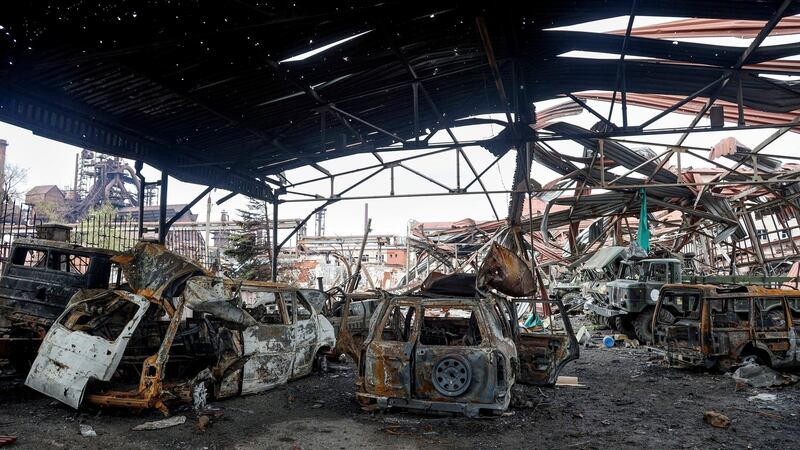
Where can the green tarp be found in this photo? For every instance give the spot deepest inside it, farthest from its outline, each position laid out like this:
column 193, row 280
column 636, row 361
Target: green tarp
column 643, row 235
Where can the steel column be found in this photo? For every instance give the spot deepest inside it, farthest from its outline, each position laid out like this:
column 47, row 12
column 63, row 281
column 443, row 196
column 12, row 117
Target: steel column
column 275, row 247
column 162, row 208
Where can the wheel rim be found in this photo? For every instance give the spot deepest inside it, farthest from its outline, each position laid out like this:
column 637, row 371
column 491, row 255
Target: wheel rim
column 451, row 376
column 199, row 396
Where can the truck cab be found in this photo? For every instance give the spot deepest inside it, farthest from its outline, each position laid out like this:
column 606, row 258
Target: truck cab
column 630, row 299
column 41, row 276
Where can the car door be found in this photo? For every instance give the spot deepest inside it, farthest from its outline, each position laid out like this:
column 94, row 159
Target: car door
column 304, row 334
column 771, row 329
column 86, row 343
column 268, row 347
column 729, row 328
column 387, row 366
column 658, row 274
column 543, row 354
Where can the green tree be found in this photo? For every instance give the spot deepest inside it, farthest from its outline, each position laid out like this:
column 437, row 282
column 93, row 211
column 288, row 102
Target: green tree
column 251, row 247
column 101, row 229
column 52, row 211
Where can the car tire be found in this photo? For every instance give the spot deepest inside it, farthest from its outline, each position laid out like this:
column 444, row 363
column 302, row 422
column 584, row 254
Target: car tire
column 451, row 375
column 623, row 324
column 642, row 326
column 321, row 362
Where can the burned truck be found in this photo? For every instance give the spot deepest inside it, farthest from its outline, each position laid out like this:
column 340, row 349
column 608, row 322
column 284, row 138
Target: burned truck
column 630, row 299
column 180, row 335
column 715, row 326
column 39, row 277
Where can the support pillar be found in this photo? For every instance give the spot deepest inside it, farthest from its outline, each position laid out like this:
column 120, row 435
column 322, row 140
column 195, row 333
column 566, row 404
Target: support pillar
column 142, row 189
column 275, row 247
column 162, row 208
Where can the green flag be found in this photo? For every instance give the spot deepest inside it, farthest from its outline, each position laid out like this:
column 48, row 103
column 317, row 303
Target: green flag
column 643, row 235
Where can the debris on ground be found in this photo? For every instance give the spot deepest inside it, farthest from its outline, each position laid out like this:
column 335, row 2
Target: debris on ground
column 583, row 336
column 202, row 423
column 763, row 397
column 87, row 431
column 161, row 424
column 7, row 440
column 408, row 430
column 717, row 419
column 756, row 375
column 570, row 381
column 631, row 343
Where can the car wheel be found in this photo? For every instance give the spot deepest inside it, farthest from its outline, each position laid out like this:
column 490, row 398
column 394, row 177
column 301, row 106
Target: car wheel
column 321, row 362
column 642, row 326
column 451, row 375
column 200, row 396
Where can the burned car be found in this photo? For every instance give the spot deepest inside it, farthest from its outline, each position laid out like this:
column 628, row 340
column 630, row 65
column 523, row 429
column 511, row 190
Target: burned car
column 39, row 278
column 455, row 354
column 351, row 316
column 181, row 335
column 715, row 326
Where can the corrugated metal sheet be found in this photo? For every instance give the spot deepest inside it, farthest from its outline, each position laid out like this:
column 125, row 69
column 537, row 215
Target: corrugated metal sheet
column 196, row 87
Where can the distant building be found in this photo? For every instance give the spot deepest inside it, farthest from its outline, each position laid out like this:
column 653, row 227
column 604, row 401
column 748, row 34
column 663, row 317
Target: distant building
column 151, row 213
column 48, row 193
column 395, row 257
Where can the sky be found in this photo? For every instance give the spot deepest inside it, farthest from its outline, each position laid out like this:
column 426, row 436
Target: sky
column 51, row 162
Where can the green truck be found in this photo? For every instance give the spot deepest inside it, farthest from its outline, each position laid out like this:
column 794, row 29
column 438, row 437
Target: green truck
column 629, row 301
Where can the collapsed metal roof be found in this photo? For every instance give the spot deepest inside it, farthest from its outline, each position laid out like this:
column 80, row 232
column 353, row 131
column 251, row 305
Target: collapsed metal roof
column 230, row 94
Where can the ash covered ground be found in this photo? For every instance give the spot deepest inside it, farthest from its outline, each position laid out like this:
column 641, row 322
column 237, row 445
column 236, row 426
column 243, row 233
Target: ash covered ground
column 630, row 401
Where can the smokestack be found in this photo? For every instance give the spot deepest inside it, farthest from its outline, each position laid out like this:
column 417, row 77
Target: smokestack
column 3, row 146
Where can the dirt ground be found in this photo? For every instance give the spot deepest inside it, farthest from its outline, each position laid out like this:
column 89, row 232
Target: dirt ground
column 629, row 402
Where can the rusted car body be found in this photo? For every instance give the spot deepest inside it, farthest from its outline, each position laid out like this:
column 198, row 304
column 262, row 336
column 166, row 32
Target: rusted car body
column 454, row 354
column 717, row 326
column 183, row 335
column 38, row 280
column 41, row 276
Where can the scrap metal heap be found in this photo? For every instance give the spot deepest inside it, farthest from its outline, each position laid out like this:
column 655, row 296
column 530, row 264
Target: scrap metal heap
column 725, row 220
column 177, row 334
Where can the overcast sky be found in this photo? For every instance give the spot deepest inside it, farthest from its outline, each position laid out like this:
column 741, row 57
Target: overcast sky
column 51, row 162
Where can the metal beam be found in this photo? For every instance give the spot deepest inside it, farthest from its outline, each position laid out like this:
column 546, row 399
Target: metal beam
column 188, row 206
column 511, row 191
column 276, row 249
column 81, row 127
column 592, row 111
column 621, row 63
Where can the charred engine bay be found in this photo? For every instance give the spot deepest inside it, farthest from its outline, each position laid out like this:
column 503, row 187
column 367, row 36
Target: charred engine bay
column 630, row 401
